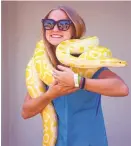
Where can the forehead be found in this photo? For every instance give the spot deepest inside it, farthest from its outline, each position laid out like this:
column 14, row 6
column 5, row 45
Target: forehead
column 57, row 15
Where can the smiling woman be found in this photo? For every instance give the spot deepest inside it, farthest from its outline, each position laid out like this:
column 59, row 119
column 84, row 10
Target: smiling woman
column 69, row 25
column 79, row 112
column 60, row 31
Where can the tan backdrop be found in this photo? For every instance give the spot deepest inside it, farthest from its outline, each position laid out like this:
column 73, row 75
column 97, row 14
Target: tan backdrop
column 21, row 29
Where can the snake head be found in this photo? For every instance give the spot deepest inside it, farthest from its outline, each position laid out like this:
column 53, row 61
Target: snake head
column 101, row 56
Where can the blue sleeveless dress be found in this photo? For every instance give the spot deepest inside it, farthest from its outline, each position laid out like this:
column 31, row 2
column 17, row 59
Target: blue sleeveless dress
column 80, row 118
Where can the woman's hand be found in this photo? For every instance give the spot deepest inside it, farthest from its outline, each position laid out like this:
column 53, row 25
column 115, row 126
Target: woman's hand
column 63, row 83
column 56, row 90
column 65, row 77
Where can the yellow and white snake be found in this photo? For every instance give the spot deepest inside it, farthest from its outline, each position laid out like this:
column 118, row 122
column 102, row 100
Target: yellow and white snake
column 39, row 72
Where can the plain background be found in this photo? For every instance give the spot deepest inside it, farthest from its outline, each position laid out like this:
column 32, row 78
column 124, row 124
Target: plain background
column 21, row 29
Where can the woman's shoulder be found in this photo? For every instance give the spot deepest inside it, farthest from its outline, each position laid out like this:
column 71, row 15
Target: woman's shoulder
column 98, row 72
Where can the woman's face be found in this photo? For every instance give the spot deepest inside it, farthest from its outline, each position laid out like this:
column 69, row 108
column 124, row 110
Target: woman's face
column 55, row 36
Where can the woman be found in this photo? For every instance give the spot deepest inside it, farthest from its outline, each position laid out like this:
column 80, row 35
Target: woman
column 79, row 111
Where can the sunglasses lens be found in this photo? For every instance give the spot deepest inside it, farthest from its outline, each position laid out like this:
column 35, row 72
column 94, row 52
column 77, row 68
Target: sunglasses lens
column 64, row 25
column 48, row 24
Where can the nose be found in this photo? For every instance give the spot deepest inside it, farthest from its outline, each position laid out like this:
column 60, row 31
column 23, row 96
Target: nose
column 56, row 28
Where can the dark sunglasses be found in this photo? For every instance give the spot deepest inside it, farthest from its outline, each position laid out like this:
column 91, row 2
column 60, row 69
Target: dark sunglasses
column 62, row 25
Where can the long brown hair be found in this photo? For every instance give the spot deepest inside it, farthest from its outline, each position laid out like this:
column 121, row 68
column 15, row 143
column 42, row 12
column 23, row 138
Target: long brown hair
column 79, row 30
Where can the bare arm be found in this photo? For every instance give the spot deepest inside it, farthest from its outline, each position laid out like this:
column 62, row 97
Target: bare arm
column 33, row 106
column 108, row 84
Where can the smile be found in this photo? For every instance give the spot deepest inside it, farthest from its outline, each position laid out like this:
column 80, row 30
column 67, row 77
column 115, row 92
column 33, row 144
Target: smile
column 56, row 36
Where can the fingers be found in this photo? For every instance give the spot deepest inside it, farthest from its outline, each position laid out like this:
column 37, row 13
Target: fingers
column 56, row 72
column 56, row 76
column 62, row 68
column 55, row 82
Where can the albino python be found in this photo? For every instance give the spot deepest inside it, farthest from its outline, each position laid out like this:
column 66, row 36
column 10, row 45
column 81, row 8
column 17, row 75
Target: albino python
column 39, row 73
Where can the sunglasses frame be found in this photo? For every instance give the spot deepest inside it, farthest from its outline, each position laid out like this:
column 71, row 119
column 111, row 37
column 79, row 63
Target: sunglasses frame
column 57, row 23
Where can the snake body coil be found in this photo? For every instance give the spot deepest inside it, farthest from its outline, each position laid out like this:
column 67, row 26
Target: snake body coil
column 39, row 72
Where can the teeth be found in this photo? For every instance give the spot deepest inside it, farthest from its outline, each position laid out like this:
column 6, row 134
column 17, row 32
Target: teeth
column 56, row 36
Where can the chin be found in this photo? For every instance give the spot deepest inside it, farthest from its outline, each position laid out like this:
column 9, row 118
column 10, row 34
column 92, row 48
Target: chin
column 55, row 43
